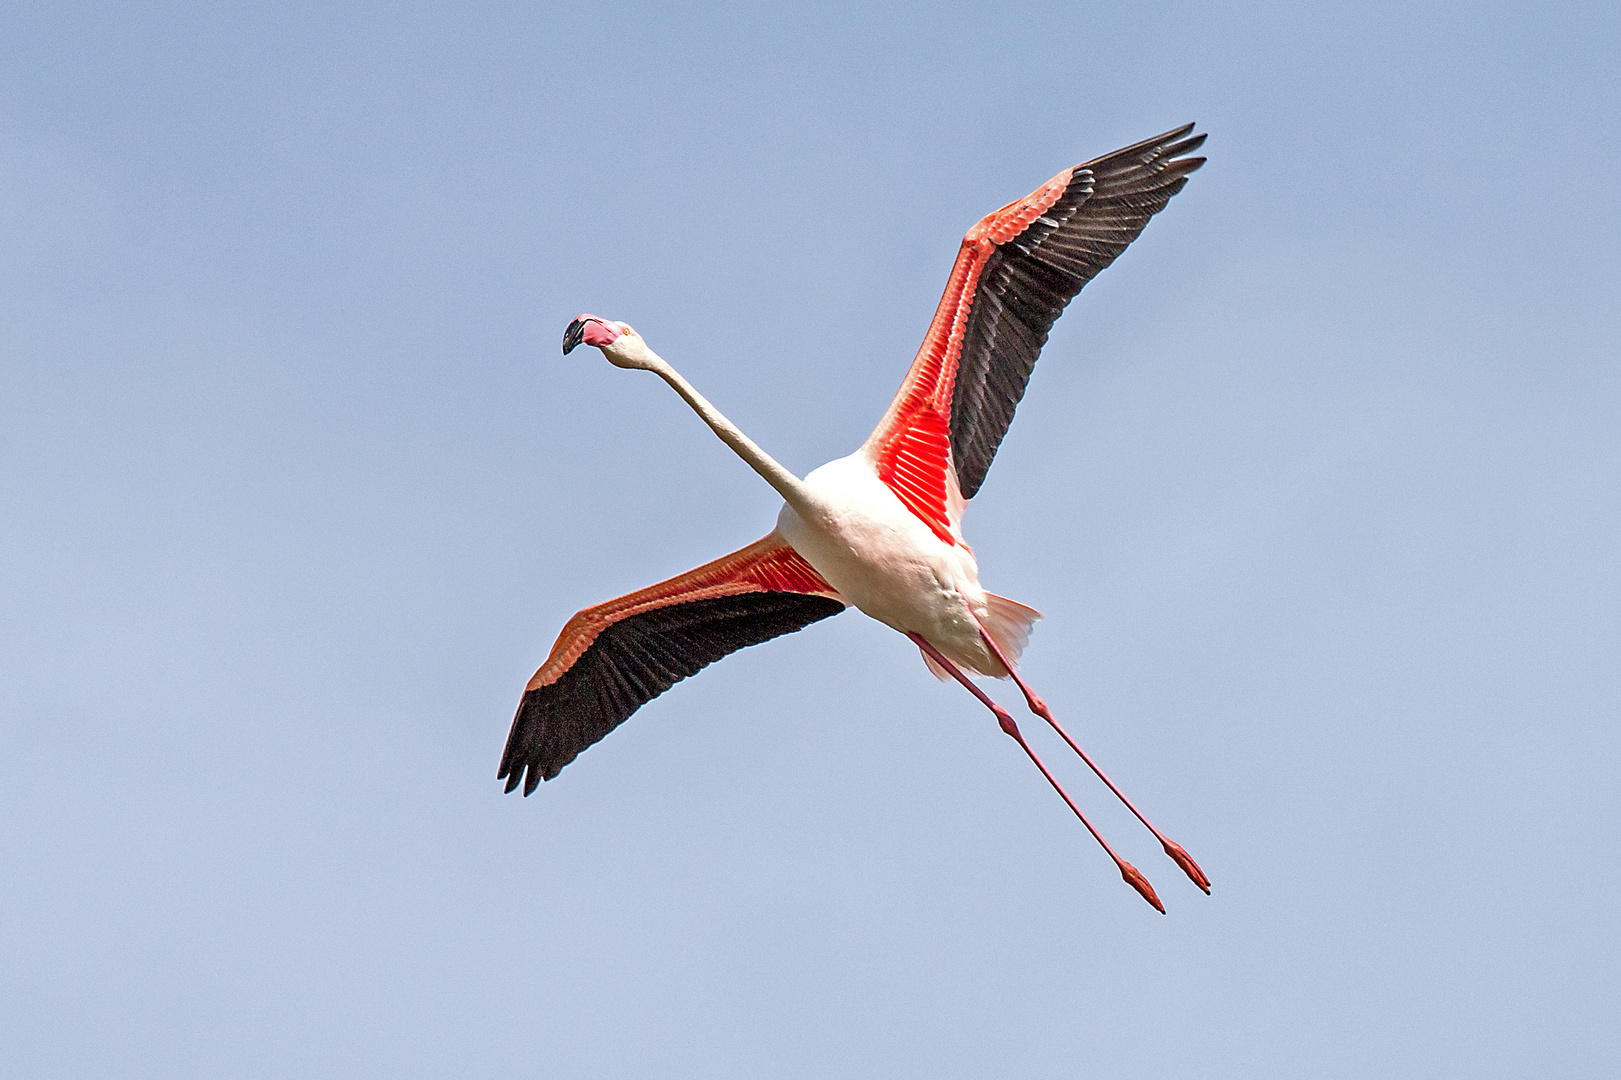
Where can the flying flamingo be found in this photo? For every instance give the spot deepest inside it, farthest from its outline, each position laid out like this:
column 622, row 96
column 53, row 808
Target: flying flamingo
column 882, row 528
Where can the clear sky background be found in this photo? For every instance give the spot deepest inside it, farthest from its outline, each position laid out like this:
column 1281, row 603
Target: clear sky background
column 1317, row 487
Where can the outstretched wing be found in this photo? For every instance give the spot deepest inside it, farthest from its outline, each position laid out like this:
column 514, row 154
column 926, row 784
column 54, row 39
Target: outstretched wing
column 1015, row 272
column 613, row 658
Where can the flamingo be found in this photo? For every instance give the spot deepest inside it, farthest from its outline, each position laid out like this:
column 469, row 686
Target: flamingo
column 880, row 529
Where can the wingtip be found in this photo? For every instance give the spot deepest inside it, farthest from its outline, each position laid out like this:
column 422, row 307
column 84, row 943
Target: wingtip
column 1158, row 148
column 1169, row 137
column 528, row 776
column 1186, row 146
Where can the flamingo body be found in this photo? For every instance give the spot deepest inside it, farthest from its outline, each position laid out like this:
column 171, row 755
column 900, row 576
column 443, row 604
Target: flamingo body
column 887, row 562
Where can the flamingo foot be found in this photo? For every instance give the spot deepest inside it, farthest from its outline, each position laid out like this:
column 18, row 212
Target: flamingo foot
column 1185, row 861
column 1140, row 883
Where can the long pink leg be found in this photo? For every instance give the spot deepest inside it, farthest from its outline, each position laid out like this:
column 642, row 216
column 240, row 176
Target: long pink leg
column 1039, row 707
column 1127, row 871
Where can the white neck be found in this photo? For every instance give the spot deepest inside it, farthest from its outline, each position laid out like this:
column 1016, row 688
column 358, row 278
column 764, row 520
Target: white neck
column 789, row 486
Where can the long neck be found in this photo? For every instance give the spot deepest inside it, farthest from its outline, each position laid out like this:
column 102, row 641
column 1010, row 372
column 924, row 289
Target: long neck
column 789, row 486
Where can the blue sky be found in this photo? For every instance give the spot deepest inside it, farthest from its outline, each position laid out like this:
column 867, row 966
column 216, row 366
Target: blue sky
column 1317, row 488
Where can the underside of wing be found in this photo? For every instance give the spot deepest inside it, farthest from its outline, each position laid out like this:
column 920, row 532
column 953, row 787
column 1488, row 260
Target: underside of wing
column 613, row 658
column 1016, row 271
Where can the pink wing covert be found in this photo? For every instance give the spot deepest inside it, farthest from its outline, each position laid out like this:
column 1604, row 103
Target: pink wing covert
column 912, row 443
column 767, row 565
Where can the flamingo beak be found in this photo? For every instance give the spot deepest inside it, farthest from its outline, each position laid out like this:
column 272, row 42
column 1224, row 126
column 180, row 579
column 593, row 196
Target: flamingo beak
column 573, row 336
column 589, row 330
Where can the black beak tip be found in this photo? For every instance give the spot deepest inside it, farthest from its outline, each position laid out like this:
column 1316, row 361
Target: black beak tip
column 573, row 336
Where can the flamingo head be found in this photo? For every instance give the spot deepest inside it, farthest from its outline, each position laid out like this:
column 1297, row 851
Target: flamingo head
column 622, row 346
column 591, row 330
